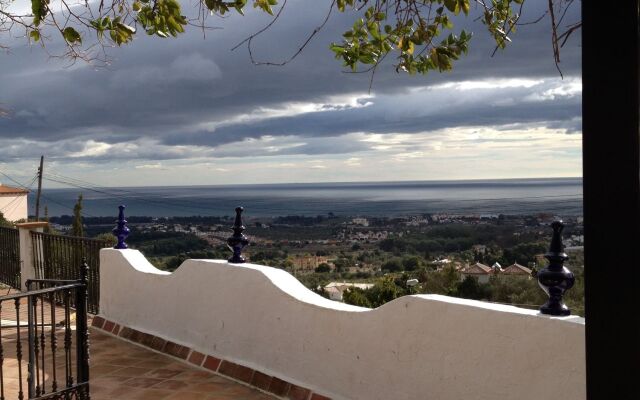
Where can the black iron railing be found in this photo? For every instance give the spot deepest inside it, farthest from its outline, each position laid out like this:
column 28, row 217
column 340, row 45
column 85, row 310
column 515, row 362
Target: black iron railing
column 10, row 257
column 57, row 257
column 40, row 355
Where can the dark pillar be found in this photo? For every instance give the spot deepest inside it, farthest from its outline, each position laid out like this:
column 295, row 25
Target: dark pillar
column 237, row 241
column 121, row 231
column 611, row 196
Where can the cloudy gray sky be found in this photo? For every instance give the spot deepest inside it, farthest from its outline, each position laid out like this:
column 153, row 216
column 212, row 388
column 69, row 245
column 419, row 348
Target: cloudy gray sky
column 191, row 111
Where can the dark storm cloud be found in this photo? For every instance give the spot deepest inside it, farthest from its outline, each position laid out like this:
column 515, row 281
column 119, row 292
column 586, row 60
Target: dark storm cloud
column 429, row 109
column 165, row 89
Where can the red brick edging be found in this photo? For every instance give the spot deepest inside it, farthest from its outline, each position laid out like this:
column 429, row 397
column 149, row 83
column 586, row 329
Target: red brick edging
column 248, row 376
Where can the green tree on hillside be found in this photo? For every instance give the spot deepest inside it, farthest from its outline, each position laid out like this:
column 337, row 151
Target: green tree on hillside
column 343, row 263
column 444, row 281
column 356, row 297
column 108, row 238
column 470, row 288
column 411, row 263
column 77, row 227
column 523, row 253
column 323, row 268
column 47, row 228
column 4, row 222
column 392, row 265
column 382, row 292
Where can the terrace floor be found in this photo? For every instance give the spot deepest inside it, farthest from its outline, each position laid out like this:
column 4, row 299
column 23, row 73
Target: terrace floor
column 118, row 369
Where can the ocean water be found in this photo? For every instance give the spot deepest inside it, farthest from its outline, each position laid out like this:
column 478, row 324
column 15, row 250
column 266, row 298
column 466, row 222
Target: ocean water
column 560, row 196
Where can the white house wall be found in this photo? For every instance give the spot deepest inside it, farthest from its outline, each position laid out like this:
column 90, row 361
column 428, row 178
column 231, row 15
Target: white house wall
column 14, row 207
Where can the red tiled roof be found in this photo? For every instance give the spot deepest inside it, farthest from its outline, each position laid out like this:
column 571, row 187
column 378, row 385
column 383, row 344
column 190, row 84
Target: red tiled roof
column 476, row 269
column 516, row 269
column 11, row 190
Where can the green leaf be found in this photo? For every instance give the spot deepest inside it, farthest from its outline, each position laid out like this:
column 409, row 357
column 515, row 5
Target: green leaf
column 336, row 48
column 464, row 4
column 451, row 5
column 34, row 35
column 39, row 10
column 71, row 35
column 106, row 23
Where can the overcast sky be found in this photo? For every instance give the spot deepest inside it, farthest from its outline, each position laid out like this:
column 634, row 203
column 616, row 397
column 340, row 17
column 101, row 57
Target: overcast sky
column 190, row 111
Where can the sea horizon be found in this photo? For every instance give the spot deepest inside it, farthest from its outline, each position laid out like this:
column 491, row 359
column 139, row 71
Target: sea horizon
column 562, row 196
column 315, row 183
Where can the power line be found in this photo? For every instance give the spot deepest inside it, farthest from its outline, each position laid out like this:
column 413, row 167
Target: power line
column 56, row 177
column 29, row 187
column 13, row 204
column 16, row 201
column 66, row 206
column 18, row 183
column 127, row 194
column 159, row 203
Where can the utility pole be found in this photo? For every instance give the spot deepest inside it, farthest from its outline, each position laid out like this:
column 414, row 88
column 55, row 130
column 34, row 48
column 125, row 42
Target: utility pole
column 39, row 188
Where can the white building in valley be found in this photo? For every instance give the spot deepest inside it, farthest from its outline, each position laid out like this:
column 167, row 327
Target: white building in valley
column 478, row 270
column 13, row 203
column 360, row 221
column 336, row 289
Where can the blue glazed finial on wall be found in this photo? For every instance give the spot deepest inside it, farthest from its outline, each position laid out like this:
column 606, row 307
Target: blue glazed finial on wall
column 556, row 279
column 121, row 231
column 237, row 241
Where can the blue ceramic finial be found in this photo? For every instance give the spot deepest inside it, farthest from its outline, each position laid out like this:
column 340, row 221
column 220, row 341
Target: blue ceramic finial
column 121, row 231
column 237, row 241
column 556, row 279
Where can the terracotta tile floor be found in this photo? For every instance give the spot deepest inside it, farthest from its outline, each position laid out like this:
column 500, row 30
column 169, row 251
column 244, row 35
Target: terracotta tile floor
column 123, row 370
column 119, row 369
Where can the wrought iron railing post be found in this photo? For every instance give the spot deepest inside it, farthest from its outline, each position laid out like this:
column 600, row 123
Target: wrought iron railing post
column 31, row 365
column 36, row 373
column 237, row 241
column 82, row 332
column 556, row 279
column 19, row 349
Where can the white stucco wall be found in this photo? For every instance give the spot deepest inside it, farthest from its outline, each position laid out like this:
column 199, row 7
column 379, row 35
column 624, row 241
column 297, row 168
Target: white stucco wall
column 416, row 347
column 27, row 264
column 14, row 207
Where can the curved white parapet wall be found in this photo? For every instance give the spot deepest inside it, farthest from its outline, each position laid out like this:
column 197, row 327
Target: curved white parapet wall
column 415, row 347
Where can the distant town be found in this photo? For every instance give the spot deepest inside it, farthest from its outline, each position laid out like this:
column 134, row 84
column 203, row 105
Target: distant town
column 485, row 256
